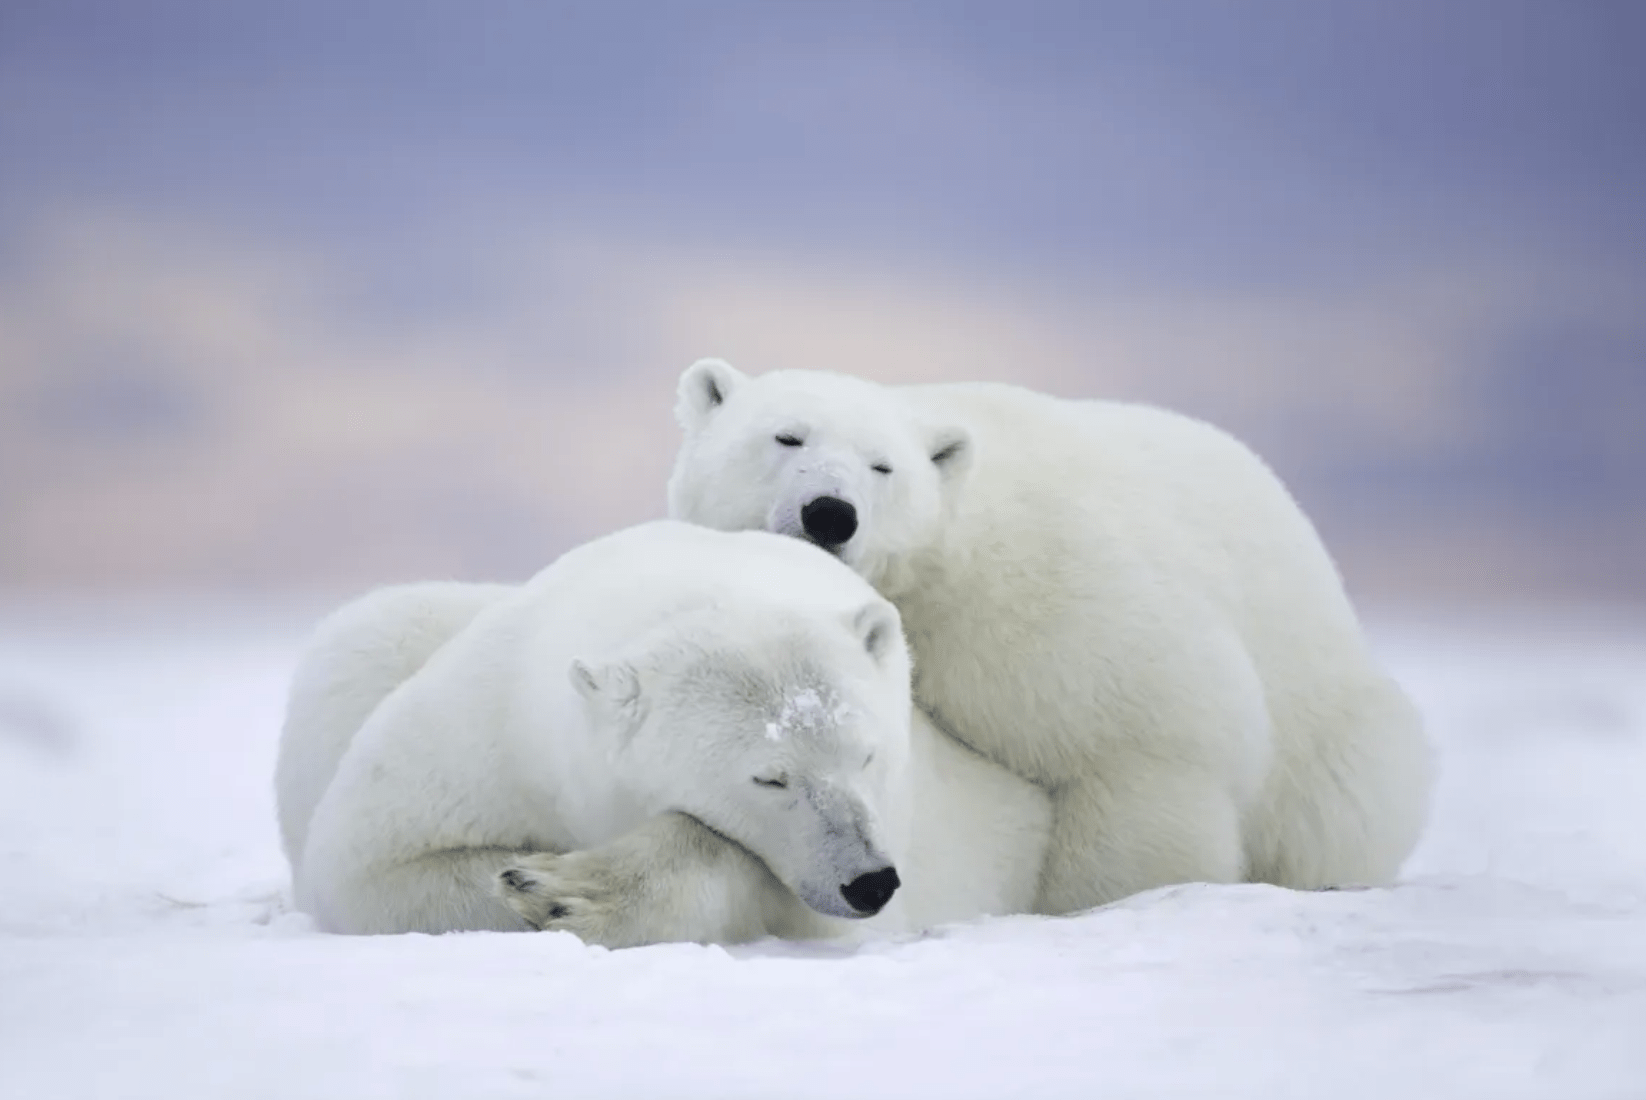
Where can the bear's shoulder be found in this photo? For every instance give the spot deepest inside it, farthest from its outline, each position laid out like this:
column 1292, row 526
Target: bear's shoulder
column 1001, row 410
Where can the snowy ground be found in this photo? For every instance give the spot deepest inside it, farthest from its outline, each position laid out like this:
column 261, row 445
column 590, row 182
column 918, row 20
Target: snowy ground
column 145, row 949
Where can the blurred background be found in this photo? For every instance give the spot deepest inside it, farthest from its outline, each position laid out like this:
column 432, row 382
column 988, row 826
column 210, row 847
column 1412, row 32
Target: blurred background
column 312, row 296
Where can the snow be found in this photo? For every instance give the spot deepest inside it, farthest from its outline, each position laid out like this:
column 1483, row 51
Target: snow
column 146, row 947
column 804, row 710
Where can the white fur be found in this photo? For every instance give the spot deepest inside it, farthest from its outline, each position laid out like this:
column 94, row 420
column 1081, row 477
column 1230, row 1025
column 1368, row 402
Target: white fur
column 582, row 753
column 1117, row 602
column 360, row 653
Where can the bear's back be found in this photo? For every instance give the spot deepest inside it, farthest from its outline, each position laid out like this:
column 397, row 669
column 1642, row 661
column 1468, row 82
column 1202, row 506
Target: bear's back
column 629, row 582
column 1139, row 487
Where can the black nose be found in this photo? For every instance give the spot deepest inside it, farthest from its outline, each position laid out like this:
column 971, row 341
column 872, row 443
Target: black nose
column 829, row 521
column 869, row 893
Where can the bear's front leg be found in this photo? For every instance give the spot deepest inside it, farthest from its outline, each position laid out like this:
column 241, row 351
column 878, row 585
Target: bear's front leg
column 1138, row 826
column 669, row 879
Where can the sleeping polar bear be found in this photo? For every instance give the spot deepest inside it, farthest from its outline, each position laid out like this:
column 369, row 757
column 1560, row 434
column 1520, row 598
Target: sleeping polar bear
column 669, row 734
column 1119, row 603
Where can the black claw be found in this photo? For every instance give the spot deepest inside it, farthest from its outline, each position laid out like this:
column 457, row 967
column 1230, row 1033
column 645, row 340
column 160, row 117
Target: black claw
column 558, row 911
column 516, row 879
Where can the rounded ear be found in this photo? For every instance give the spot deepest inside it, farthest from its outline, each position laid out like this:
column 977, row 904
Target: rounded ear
column 613, row 689
column 704, row 387
column 878, row 626
column 951, row 450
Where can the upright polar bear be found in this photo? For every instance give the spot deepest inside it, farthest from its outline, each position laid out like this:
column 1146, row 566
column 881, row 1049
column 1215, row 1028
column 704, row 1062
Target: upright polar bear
column 573, row 754
column 1118, row 603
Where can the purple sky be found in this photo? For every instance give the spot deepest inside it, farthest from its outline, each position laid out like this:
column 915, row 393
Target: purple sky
column 1189, row 142
column 1292, row 150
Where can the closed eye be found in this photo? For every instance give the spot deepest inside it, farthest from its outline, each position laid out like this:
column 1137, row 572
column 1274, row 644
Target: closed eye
column 881, row 468
column 777, row 784
column 788, row 440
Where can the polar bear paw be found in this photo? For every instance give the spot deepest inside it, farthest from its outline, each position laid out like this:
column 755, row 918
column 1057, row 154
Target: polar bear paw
column 578, row 893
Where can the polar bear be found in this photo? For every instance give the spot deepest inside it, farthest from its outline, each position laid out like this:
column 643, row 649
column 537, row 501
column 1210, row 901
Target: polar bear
column 1119, row 603
column 670, row 734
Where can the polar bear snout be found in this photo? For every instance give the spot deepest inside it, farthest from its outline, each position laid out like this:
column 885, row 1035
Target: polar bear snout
column 868, row 894
column 829, row 521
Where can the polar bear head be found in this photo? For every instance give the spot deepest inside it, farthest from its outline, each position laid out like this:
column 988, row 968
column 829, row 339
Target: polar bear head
column 782, row 733
column 835, row 460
